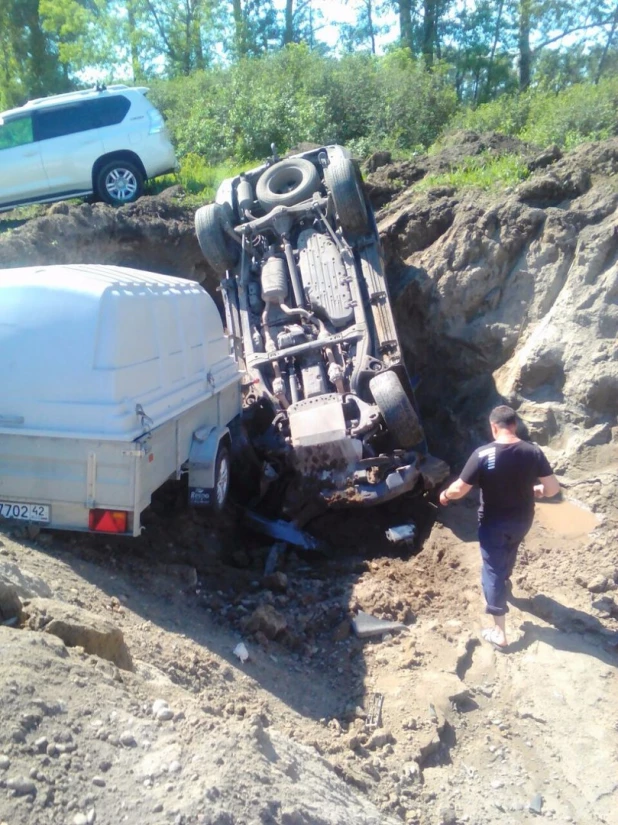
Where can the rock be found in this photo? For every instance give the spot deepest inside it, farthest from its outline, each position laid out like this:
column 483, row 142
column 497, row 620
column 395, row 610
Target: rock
column 174, row 767
column 98, row 781
column 379, row 739
column 548, row 156
column 21, row 786
column 266, row 620
column 127, row 739
column 5, row 762
column 10, row 603
column 448, row 816
column 80, row 819
column 277, row 582
column 598, row 584
column 26, row 584
column 41, row 744
column 79, row 628
column 535, row 805
column 378, row 160
column 606, row 607
column 162, row 711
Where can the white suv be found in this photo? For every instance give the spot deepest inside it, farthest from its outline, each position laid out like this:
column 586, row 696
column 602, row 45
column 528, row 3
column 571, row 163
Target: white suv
column 106, row 141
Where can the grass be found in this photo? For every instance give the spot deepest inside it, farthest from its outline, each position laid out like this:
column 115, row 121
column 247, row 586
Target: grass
column 485, row 172
column 199, row 180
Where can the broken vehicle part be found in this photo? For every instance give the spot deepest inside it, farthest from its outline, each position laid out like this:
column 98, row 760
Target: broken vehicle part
column 374, row 715
column 366, row 625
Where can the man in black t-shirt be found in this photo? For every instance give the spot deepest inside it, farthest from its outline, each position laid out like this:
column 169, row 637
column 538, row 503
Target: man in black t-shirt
column 511, row 474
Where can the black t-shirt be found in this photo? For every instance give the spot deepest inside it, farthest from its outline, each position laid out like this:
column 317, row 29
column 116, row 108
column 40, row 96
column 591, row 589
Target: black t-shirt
column 506, row 474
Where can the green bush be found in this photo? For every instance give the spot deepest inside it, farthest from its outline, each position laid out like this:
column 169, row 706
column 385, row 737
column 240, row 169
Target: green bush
column 582, row 112
column 296, row 95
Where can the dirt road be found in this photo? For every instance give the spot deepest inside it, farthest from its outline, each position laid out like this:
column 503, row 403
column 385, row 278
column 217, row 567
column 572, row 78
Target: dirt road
column 467, row 734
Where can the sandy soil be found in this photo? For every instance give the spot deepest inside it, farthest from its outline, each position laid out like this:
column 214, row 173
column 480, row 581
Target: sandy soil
column 466, row 735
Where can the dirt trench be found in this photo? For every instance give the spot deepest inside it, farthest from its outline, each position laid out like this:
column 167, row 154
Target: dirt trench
column 497, row 297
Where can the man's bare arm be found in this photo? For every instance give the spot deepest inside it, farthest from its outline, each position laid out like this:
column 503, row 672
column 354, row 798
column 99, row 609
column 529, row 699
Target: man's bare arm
column 549, row 487
column 458, row 489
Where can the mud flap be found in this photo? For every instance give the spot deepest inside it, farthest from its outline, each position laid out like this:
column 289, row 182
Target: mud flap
column 202, row 464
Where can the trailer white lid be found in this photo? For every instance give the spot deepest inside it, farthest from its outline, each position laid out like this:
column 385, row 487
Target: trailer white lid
column 82, row 346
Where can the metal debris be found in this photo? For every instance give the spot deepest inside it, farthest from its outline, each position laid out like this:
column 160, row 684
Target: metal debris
column 366, row 625
column 374, row 717
column 402, row 534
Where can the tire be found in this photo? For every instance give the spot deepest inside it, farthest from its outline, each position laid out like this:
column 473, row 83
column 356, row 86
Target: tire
column 287, row 183
column 221, row 489
column 119, row 182
column 344, row 183
column 396, row 409
column 220, row 251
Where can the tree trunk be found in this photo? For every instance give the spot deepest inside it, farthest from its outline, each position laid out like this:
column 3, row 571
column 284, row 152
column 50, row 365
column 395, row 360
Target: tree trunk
column 370, row 28
column 525, row 52
column 405, row 23
column 494, row 46
column 239, row 28
column 288, row 31
column 608, row 43
column 430, row 15
column 136, row 67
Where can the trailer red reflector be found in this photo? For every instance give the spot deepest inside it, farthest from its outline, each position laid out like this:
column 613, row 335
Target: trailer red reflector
column 108, row 521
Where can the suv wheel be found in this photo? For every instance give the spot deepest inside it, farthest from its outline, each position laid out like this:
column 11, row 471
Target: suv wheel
column 343, row 181
column 220, row 251
column 287, row 183
column 119, row 182
column 396, row 409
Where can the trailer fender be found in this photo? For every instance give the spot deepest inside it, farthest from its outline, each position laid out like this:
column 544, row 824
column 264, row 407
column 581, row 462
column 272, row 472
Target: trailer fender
column 202, row 463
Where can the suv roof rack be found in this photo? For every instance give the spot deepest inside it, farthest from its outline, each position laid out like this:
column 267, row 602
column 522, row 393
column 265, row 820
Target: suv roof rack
column 79, row 93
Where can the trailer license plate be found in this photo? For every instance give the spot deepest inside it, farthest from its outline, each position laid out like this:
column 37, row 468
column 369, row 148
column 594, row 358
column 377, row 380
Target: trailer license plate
column 24, row 512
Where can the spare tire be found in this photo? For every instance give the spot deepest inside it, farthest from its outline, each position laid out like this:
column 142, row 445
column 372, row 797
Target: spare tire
column 343, row 180
column 287, row 183
column 396, row 408
column 220, row 251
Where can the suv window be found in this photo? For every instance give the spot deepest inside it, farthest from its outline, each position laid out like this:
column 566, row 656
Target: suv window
column 16, row 132
column 81, row 116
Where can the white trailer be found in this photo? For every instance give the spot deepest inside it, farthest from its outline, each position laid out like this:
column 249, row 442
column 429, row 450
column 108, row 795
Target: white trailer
column 112, row 380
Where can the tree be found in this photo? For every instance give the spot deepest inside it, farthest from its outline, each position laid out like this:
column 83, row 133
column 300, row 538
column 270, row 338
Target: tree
column 367, row 27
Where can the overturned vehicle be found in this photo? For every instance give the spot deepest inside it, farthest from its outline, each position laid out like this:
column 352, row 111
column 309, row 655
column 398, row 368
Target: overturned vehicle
column 328, row 406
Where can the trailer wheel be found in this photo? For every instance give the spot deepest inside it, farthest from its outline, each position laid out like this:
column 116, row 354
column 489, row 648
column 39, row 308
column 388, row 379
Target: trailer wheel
column 221, row 489
column 396, row 409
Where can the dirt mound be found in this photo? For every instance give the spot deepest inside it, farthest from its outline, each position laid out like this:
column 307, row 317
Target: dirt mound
column 155, row 233
column 386, row 178
column 514, row 298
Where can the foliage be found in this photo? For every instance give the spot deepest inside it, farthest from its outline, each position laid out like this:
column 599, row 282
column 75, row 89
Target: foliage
column 584, row 111
column 199, row 180
column 295, row 95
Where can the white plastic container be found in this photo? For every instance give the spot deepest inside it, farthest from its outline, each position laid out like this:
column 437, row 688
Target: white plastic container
column 102, row 368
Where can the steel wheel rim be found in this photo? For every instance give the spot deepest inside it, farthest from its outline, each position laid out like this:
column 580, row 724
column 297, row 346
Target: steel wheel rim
column 121, row 184
column 223, row 481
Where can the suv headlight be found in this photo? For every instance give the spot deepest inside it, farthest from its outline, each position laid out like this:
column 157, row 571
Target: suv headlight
column 157, row 124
